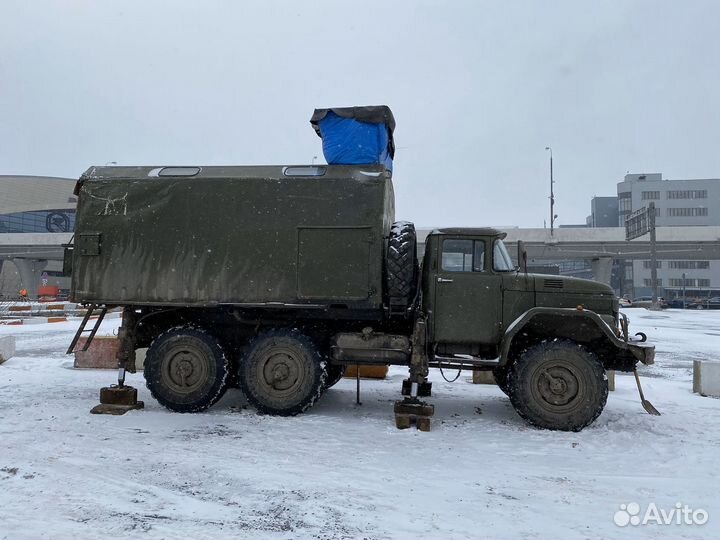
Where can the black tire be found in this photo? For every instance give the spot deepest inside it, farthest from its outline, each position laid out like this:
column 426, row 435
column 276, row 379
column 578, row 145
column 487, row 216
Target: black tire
column 334, row 374
column 186, row 370
column 402, row 266
column 501, row 375
column 282, row 373
column 558, row 385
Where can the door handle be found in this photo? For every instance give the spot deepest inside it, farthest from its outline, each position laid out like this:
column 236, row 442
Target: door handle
column 443, row 280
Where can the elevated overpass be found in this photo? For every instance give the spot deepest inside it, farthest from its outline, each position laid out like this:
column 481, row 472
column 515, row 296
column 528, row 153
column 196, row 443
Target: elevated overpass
column 30, row 252
column 603, row 245
column 672, row 243
column 591, row 243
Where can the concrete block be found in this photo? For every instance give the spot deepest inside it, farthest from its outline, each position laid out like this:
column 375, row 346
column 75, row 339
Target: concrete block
column 35, row 320
column 706, row 378
column 366, row 372
column 140, row 359
column 7, row 348
column 101, row 354
column 483, row 377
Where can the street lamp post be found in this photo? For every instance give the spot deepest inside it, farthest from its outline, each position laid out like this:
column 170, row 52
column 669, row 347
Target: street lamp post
column 552, row 195
column 653, row 256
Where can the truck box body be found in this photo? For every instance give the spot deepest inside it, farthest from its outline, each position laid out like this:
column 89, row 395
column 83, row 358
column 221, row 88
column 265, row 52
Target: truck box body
column 191, row 236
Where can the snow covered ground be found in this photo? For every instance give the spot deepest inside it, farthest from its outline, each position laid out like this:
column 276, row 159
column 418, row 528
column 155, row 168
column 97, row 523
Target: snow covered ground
column 343, row 471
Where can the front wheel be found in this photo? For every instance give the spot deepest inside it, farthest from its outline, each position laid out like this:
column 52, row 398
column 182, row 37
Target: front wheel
column 282, row 373
column 558, row 385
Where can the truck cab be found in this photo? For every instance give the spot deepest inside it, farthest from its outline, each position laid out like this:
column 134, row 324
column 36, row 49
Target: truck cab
column 548, row 340
column 478, row 303
column 471, row 289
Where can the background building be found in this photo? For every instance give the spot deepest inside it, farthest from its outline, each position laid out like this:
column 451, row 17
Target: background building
column 34, row 204
column 603, row 212
column 678, row 203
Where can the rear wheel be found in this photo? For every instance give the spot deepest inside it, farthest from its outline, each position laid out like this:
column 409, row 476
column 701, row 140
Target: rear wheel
column 558, row 385
column 282, row 373
column 186, row 370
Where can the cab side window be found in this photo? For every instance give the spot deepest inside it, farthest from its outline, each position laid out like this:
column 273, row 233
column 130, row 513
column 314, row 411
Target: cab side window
column 463, row 255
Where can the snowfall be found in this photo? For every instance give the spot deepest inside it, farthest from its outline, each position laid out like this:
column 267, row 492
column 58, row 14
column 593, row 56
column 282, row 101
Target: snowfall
column 343, row 470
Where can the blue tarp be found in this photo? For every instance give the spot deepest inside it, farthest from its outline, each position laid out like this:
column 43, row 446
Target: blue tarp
column 348, row 140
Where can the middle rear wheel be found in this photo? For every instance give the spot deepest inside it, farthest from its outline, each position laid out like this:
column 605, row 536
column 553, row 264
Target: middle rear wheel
column 282, row 373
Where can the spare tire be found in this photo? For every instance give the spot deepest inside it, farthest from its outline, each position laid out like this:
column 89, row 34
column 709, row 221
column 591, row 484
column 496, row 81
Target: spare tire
column 402, row 267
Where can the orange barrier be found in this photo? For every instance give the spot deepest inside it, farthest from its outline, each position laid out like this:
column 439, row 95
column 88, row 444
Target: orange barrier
column 366, row 372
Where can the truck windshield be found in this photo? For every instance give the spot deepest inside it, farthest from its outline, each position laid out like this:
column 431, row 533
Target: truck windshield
column 501, row 259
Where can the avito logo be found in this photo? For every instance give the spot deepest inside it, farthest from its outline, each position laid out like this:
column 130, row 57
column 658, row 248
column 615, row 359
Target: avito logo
column 680, row 514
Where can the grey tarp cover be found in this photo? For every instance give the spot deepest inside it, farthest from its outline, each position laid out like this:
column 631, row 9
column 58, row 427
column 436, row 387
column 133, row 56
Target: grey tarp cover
column 232, row 235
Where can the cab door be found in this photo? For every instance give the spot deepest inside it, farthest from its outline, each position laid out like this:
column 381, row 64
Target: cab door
column 468, row 307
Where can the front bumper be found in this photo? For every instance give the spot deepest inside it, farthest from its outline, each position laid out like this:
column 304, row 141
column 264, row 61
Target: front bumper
column 642, row 350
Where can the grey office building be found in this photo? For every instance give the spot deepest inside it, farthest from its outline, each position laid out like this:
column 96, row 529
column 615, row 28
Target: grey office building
column 678, row 203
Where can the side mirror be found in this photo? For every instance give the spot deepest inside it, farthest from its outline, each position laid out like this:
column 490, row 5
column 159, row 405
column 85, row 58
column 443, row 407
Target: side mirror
column 522, row 255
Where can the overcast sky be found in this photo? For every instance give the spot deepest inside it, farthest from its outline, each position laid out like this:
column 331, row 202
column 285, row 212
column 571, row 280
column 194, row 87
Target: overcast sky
column 478, row 89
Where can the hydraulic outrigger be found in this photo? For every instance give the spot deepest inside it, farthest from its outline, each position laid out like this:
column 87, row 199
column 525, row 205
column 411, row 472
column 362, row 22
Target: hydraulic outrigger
column 411, row 410
column 114, row 399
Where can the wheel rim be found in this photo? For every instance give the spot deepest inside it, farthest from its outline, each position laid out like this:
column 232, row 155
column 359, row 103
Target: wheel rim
column 557, row 386
column 185, row 369
column 280, row 371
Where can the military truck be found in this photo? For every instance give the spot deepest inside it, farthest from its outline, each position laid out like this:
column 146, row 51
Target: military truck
column 275, row 278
